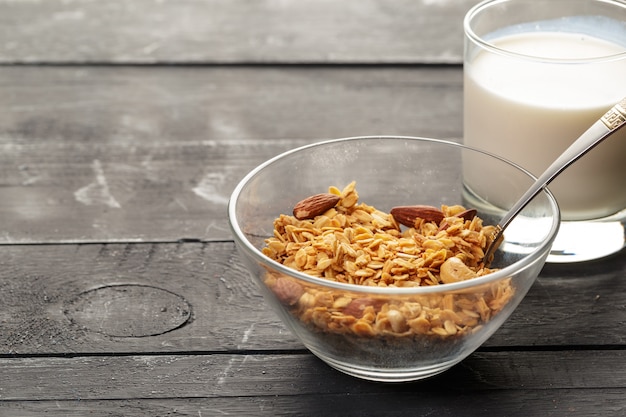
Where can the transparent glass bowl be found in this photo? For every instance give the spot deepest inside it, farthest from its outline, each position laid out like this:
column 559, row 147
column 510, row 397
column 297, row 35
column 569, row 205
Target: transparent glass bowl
column 394, row 171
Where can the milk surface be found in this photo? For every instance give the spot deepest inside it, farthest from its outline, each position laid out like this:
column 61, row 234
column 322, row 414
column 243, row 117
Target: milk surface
column 530, row 110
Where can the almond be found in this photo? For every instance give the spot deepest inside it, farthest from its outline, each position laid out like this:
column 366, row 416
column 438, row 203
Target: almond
column 315, row 205
column 468, row 214
column 407, row 215
column 357, row 307
column 287, row 291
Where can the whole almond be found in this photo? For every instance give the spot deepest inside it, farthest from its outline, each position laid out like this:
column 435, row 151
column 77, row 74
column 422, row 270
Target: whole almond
column 287, row 291
column 315, row 205
column 407, row 215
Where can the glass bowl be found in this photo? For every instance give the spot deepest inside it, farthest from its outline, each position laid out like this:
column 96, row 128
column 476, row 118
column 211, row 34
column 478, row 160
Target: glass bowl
column 432, row 327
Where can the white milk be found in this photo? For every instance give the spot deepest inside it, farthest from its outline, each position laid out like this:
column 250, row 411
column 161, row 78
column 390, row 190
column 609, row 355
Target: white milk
column 530, row 111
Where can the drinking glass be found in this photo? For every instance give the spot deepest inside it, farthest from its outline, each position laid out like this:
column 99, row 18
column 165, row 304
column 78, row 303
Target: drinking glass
column 537, row 74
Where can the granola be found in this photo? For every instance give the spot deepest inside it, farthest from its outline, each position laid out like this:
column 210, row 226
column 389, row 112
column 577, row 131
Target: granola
column 355, row 243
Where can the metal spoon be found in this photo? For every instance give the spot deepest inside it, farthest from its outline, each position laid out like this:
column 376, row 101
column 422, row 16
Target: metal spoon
column 612, row 120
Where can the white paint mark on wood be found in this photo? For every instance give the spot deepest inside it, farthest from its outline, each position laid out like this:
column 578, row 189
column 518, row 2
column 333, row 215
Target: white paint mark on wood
column 97, row 193
column 246, row 336
column 181, row 204
column 209, row 188
column 215, row 225
column 29, row 177
column 229, row 367
column 215, row 410
column 150, row 48
column 225, row 372
column 69, row 15
column 6, row 237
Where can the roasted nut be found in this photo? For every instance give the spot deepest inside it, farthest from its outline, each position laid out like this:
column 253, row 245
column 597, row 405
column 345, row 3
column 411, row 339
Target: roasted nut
column 354, row 243
column 397, row 321
column 357, row 307
column 468, row 214
column 287, row 291
column 315, row 205
column 454, row 270
column 407, row 215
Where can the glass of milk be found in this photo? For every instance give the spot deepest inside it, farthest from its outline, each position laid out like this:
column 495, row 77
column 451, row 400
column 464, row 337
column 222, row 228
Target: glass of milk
column 537, row 74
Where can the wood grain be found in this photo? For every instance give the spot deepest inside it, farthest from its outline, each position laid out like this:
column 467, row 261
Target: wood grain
column 125, row 126
column 512, row 403
column 152, row 154
column 225, row 31
column 39, row 286
column 291, row 384
column 163, row 104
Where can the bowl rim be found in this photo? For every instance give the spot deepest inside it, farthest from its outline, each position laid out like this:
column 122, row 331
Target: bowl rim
column 502, row 273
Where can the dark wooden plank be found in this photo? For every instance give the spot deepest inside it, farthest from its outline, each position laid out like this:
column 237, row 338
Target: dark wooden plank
column 133, row 105
column 199, row 31
column 534, row 381
column 55, row 300
column 152, row 154
column 511, row 403
column 67, row 299
column 55, row 192
column 568, row 302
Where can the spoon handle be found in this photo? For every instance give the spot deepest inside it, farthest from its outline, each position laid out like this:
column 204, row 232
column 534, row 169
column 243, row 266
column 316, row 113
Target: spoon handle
column 612, row 120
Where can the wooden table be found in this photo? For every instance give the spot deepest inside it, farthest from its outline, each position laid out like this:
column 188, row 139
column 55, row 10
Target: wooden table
column 125, row 126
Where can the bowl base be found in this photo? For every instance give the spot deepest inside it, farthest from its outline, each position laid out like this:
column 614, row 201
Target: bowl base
column 387, row 374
